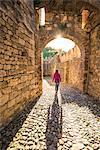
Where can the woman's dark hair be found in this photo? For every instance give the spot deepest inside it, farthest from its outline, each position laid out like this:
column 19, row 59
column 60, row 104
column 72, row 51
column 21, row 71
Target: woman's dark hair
column 56, row 70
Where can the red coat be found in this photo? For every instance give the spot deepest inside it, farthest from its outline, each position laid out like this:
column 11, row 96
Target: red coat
column 56, row 77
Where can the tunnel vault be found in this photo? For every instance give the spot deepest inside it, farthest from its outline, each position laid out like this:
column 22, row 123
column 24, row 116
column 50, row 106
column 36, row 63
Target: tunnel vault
column 80, row 43
column 68, row 25
column 74, row 20
column 22, row 40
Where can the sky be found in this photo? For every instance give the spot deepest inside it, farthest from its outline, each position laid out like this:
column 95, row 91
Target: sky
column 61, row 43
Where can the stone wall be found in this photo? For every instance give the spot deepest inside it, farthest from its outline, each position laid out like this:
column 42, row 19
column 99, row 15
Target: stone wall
column 80, row 24
column 69, row 66
column 71, row 70
column 67, row 25
column 46, row 68
column 20, row 78
column 92, row 59
column 94, row 66
column 75, row 74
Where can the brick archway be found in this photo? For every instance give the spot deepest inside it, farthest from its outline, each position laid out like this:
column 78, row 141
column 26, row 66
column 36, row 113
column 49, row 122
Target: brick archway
column 80, row 40
column 68, row 23
column 79, row 43
column 66, row 36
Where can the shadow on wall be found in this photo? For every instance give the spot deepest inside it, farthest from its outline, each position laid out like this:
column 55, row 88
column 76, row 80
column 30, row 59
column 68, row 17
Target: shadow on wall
column 54, row 125
column 71, row 95
column 12, row 128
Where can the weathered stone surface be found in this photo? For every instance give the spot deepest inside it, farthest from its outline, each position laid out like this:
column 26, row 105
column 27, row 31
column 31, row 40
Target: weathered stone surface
column 67, row 121
column 94, row 64
column 21, row 44
column 65, row 20
column 69, row 66
column 17, row 58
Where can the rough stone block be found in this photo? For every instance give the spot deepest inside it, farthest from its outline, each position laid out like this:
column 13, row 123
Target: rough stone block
column 2, row 21
column 24, row 78
column 1, row 66
column 0, row 94
column 7, row 67
column 21, row 41
column 4, row 99
column 2, row 73
column 6, row 90
column 7, row 114
column 11, row 103
column 3, row 108
column 14, row 94
column 14, row 82
column 19, row 99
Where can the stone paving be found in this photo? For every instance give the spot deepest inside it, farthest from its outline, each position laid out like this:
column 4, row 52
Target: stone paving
column 67, row 120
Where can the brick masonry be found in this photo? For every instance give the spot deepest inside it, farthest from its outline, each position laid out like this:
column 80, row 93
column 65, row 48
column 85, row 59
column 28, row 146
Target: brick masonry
column 94, row 66
column 69, row 66
column 84, row 72
column 68, row 26
column 19, row 73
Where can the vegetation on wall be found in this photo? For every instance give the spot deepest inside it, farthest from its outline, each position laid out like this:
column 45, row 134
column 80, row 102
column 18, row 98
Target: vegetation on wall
column 48, row 52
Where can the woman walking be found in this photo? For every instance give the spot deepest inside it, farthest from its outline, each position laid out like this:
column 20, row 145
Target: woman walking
column 57, row 79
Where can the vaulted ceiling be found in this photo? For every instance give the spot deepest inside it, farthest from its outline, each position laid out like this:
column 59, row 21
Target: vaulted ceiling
column 65, row 4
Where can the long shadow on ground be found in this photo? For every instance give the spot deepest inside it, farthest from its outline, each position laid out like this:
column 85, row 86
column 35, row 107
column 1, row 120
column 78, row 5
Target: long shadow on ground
column 71, row 95
column 54, row 125
column 12, row 128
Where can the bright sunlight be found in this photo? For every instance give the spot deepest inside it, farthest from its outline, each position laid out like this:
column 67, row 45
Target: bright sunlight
column 61, row 43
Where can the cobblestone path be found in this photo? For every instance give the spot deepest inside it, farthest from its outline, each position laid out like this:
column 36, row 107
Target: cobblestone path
column 63, row 121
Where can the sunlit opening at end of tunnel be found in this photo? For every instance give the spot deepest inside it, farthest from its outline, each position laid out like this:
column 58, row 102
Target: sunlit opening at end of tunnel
column 61, row 43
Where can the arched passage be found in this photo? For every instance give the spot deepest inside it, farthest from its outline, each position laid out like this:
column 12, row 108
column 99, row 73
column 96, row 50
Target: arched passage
column 78, row 19
column 67, row 120
column 69, row 64
column 22, row 42
column 69, row 25
column 79, row 41
column 62, row 17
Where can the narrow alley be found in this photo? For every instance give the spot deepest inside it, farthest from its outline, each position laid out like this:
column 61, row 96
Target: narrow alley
column 63, row 121
column 40, row 40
